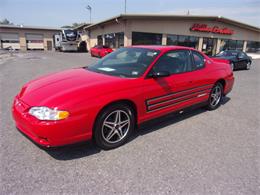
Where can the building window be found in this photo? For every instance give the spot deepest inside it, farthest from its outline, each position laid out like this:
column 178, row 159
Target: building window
column 239, row 45
column 209, row 46
column 232, row 44
column 181, row 40
column 228, row 44
column 114, row 40
column 100, row 40
column 253, row 46
column 172, row 40
column 139, row 38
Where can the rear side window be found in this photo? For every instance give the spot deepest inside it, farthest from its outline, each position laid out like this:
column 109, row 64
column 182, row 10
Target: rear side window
column 198, row 60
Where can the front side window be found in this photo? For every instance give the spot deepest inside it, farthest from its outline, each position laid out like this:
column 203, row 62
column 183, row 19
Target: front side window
column 227, row 53
column 198, row 60
column 241, row 55
column 125, row 62
column 174, row 62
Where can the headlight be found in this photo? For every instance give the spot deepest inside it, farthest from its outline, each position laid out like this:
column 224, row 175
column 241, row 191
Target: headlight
column 45, row 113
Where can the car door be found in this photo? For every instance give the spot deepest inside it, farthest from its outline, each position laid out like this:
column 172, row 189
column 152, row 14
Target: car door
column 96, row 50
column 93, row 50
column 173, row 92
column 243, row 59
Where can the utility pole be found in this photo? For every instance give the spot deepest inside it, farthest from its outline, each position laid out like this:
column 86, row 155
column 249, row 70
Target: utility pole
column 89, row 8
column 125, row 6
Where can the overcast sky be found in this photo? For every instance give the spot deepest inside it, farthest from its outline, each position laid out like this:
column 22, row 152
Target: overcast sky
column 56, row 13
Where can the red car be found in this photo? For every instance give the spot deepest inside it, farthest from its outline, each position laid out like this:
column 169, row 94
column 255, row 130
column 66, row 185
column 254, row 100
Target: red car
column 108, row 100
column 100, row 51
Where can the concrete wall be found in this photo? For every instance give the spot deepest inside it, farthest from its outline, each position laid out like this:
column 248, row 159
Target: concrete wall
column 183, row 28
column 178, row 27
column 47, row 36
column 91, row 36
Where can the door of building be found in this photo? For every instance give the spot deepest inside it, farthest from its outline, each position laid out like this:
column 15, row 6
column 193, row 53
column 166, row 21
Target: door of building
column 49, row 45
column 209, row 46
column 9, row 40
column 34, row 41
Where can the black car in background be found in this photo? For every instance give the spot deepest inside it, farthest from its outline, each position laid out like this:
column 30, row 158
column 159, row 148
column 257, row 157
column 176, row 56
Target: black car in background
column 238, row 59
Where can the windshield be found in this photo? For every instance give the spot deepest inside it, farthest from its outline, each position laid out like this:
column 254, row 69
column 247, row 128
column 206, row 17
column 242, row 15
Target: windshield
column 125, row 62
column 227, row 53
column 70, row 33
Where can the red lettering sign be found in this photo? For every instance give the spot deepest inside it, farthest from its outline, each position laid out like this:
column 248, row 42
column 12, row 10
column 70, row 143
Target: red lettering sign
column 215, row 29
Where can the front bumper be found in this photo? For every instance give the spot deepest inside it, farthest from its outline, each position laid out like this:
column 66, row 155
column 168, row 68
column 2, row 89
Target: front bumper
column 49, row 133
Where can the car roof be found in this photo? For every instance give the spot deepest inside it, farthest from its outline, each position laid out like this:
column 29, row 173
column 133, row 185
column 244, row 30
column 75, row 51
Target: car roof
column 161, row 47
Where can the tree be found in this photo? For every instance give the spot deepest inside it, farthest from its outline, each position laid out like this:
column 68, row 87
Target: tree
column 6, row 21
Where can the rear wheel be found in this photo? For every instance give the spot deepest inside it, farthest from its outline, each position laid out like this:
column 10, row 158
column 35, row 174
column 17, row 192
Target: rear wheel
column 248, row 65
column 215, row 97
column 114, row 126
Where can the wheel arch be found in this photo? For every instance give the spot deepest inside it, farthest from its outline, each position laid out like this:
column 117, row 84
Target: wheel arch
column 223, row 83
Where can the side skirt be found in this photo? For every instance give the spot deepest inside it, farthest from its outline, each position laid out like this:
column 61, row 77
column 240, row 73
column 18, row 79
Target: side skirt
column 177, row 112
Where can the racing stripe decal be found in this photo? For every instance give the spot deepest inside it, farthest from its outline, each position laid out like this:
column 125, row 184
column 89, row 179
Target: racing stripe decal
column 168, row 100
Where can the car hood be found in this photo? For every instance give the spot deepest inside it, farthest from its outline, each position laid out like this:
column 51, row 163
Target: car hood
column 74, row 85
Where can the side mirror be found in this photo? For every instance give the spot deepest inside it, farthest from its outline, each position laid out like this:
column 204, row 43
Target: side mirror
column 159, row 74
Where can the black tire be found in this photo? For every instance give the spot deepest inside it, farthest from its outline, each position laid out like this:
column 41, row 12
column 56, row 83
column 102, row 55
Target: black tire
column 214, row 103
column 103, row 129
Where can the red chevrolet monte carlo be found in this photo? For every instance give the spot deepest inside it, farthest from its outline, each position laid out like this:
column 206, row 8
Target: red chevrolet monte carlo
column 107, row 100
column 100, row 51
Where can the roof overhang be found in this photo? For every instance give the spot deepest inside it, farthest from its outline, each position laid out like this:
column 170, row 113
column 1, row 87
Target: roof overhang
column 174, row 17
column 21, row 27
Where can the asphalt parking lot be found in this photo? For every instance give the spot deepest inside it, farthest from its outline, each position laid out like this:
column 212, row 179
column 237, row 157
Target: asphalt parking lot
column 199, row 152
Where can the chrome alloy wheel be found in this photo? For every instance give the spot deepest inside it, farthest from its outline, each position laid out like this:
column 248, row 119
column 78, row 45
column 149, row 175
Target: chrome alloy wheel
column 232, row 66
column 215, row 96
column 115, row 126
column 248, row 65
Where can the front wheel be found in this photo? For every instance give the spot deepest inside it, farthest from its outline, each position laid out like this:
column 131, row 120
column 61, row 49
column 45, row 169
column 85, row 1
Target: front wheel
column 114, row 126
column 215, row 97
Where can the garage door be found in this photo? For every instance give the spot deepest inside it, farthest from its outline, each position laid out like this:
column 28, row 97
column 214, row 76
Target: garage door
column 10, row 40
column 34, row 41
